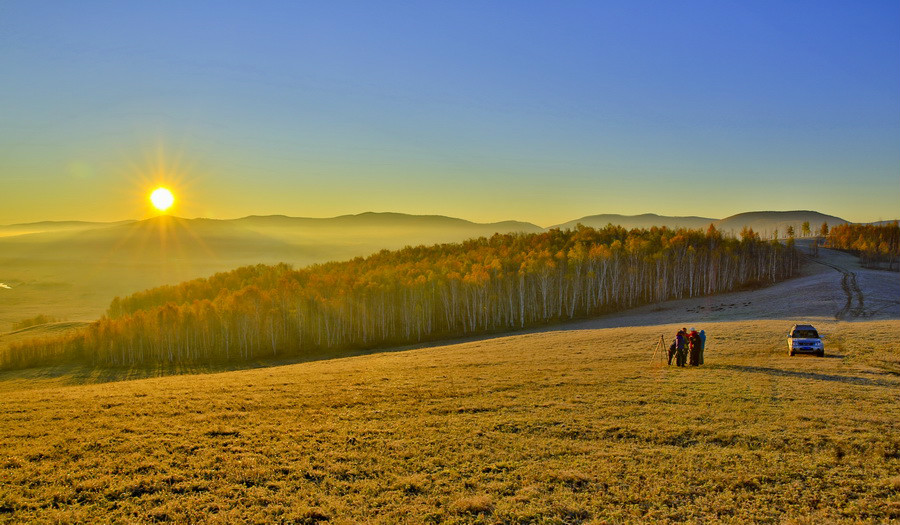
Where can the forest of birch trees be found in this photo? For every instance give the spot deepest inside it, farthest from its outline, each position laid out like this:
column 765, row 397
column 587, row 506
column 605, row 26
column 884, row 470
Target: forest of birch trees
column 502, row 283
column 873, row 243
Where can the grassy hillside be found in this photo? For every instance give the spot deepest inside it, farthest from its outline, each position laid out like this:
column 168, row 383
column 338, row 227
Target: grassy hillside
column 557, row 427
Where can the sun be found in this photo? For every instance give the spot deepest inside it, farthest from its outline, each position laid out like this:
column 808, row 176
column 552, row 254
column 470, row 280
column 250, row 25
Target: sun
column 162, row 199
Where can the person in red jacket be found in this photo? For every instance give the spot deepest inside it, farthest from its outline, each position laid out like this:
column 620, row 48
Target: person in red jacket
column 694, row 342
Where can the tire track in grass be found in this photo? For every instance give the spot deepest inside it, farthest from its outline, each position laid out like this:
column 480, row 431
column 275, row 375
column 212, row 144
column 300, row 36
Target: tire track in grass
column 851, row 289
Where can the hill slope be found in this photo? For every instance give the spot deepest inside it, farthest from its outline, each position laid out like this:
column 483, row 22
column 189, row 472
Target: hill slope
column 52, row 226
column 647, row 220
column 556, row 427
column 383, row 220
column 766, row 222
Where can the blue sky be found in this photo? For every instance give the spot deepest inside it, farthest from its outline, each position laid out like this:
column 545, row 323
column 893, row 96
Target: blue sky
column 537, row 111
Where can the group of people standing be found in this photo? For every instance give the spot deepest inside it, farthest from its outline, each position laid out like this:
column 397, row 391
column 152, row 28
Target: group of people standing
column 688, row 347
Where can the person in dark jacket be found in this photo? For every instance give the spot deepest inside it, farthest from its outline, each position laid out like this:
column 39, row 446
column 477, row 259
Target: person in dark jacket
column 672, row 348
column 680, row 347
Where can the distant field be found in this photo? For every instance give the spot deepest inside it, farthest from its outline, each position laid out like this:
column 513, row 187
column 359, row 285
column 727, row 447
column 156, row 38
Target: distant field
column 577, row 426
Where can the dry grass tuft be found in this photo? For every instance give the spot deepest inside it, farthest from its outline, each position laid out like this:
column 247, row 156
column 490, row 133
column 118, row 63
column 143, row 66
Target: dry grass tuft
column 413, row 484
column 894, row 483
column 478, row 504
column 573, row 479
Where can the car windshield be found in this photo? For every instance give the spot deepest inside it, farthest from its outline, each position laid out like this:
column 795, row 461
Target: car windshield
column 805, row 334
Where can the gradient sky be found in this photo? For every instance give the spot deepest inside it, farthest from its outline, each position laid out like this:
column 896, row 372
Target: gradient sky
column 536, row 111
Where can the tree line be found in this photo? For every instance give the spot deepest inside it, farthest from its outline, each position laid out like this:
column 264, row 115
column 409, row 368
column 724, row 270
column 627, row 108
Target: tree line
column 874, row 244
column 806, row 230
column 501, row 283
column 34, row 321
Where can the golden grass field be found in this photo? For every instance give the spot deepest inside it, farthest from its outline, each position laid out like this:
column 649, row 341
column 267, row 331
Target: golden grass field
column 576, row 426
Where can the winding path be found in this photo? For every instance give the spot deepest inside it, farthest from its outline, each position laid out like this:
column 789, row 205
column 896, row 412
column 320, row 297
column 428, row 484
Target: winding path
column 851, row 289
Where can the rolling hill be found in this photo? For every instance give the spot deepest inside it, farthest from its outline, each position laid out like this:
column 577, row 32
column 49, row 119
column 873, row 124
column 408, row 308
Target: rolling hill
column 52, row 226
column 763, row 222
column 767, row 222
column 284, row 236
column 369, row 220
column 646, row 220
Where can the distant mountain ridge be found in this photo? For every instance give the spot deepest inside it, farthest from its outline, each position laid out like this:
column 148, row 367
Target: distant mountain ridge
column 378, row 219
column 767, row 223
column 226, row 243
column 764, row 222
column 53, row 226
column 428, row 229
column 646, row 220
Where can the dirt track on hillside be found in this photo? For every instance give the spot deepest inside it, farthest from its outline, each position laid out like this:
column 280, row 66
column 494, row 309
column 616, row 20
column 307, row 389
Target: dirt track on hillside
column 831, row 287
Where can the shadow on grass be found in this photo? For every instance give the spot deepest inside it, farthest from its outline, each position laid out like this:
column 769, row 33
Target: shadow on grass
column 74, row 373
column 805, row 375
column 80, row 374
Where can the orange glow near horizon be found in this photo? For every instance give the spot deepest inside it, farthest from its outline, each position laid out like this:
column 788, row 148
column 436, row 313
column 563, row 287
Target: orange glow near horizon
column 152, row 174
column 159, row 186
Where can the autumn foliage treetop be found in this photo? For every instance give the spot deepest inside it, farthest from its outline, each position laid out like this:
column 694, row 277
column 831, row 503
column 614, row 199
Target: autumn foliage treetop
column 501, row 283
column 874, row 244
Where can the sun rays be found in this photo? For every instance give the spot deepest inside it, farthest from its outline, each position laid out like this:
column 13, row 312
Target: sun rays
column 161, row 183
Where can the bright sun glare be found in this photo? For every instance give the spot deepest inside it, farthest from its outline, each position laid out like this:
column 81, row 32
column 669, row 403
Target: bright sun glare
column 162, row 198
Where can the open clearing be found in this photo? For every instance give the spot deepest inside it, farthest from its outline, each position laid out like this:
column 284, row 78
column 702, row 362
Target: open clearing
column 573, row 425
column 557, row 427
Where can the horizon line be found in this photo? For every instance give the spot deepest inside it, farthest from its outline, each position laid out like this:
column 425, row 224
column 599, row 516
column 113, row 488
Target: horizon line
column 712, row 219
